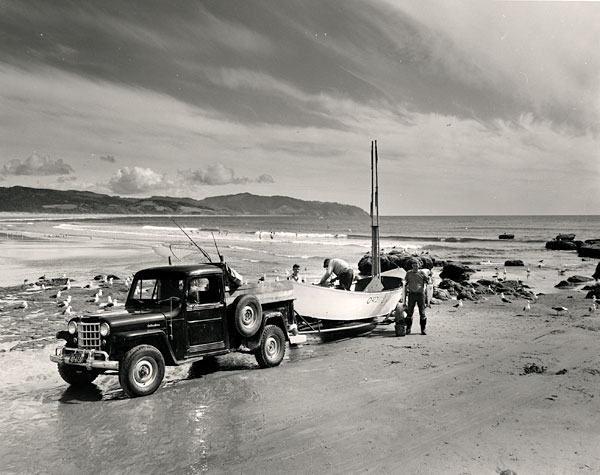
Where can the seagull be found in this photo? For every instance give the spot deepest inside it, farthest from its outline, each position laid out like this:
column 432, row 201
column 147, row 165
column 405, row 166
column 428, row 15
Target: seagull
column 527, row 307
column 459, row 304
column 68, row 286
column 68, row 310
column 592, row 308
column 110, row 281
column 99, row 292
column 57, row 295
column 561, row 310
column 504, row 299
column 23, row 305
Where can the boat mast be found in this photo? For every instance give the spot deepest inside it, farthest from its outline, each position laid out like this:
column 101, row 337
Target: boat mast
column 375, row 284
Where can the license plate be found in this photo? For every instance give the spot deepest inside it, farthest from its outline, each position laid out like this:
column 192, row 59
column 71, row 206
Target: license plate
column 78, row 357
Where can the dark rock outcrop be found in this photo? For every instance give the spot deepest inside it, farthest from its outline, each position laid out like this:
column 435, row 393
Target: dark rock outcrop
column 561, row 245
column 514, row 263
column 563, row 284
column 456, row 272
column 578, row 279
column 565, row 237
column 396, row 259
column 594, row 291
column 589, row 250
column 596, row 274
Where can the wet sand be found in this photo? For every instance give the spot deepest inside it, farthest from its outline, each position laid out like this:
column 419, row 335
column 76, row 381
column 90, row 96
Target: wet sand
column 490, row 389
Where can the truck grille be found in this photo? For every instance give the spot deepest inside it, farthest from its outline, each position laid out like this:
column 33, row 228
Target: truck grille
column 89, row 336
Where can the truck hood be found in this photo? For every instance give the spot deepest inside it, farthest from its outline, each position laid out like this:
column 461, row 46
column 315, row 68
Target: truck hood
column 127, row 318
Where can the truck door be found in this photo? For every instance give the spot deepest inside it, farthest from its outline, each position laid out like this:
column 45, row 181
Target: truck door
column 205, row 314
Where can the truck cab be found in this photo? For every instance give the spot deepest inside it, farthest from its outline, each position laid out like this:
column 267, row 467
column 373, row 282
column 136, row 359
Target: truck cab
column 175, row 315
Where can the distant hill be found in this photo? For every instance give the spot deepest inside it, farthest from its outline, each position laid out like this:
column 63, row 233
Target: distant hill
column 41, row 200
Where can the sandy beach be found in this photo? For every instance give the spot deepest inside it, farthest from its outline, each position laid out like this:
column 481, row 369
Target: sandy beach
column 492, row 388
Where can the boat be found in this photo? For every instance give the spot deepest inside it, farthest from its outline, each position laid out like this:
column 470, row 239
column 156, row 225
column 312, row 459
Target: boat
column 327, row 303
column 506, row 236
column 327, row 309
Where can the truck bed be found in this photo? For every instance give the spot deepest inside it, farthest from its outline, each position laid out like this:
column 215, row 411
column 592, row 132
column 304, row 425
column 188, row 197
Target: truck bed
column 265, row 292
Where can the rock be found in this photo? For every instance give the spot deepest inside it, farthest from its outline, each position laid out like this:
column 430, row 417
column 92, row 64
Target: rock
column 561, row 245
column 592, row 241
column 563, row 284
column 394, row 259
column 594, row 292
column 456, row 272
column 441, row 294
column 514, row 263
column 589, row 250
column 578, row 279
column 565, row 237
column 596, row 274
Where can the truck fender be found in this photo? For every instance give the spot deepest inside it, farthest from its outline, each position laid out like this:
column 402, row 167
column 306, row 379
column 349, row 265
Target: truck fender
column 156, row 338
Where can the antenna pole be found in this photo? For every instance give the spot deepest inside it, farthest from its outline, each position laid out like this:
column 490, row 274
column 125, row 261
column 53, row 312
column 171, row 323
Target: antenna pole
column 204, row 253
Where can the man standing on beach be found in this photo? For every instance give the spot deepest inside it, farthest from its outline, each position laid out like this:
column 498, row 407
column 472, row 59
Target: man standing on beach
column 342, row 270
column 416, row 281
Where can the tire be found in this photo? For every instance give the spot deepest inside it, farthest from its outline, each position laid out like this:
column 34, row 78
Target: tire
column 141, row 371
column 77, row 375
column 272, row 347
column 248, row 315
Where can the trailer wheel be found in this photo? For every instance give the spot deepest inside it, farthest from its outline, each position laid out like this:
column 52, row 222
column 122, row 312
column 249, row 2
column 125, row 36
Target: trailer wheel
column 77, row 375
column 272, row 347
column 141, row 371
column 248, row 315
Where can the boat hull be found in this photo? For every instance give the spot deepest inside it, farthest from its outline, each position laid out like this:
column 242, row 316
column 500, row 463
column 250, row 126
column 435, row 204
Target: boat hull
column 325, row 303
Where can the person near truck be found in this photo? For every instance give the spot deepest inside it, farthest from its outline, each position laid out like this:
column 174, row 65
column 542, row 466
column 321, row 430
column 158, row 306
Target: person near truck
column 342, row 270
column 296, row 274
column 416, row 281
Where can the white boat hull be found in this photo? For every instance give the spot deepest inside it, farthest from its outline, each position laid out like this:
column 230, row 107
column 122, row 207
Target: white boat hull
column 326, row 303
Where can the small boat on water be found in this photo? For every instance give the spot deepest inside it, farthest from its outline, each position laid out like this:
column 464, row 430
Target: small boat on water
column 326, row 309
column 506, row 236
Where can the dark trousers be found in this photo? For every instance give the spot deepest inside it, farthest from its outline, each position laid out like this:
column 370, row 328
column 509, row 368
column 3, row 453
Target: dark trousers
column 419, row 299
column 346, row 278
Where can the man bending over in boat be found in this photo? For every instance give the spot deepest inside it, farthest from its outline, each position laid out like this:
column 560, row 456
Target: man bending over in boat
column 416, row 282
column 342, row 270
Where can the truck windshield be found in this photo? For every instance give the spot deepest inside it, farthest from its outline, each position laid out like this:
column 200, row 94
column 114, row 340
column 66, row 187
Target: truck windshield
column 161, row 291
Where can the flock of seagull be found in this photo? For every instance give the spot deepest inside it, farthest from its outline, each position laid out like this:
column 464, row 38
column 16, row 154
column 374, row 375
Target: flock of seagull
column 65, row 303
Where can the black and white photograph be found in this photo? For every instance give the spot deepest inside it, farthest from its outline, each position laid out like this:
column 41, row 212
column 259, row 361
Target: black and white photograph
column 299, row 237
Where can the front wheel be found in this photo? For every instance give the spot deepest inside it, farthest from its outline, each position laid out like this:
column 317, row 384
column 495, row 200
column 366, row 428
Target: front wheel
column 272, row 347
column 77, row 375
column 141, row 371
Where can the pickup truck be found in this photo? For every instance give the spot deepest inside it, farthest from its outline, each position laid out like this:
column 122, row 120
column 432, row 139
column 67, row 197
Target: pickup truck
column 175, row 315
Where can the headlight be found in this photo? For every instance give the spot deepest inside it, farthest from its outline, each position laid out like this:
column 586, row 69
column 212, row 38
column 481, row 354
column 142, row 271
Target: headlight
column 104, row 329
column 72, row 327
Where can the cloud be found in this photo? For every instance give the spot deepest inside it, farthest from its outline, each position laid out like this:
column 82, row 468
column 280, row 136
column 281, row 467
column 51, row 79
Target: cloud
column 218, row 174
column 36, row 165
column 133, row 180
column 108, row 158
column 265, row 178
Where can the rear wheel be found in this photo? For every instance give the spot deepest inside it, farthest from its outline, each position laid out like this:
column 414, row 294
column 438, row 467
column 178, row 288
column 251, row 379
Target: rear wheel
column 77, row 375
column 272, row 347
column 141, row 371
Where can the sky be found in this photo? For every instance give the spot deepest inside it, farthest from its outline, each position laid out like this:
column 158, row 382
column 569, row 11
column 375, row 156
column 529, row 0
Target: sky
column 484, row 107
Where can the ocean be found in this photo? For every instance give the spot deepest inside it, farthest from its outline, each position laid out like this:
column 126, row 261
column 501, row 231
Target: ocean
column 269, row 245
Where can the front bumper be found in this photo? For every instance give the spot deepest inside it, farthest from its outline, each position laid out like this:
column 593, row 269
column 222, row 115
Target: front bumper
column 86, row 358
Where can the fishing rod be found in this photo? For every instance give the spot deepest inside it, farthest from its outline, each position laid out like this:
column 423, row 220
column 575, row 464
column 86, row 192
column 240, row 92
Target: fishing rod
column 217, row 247
column 204, row 253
